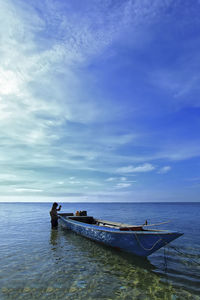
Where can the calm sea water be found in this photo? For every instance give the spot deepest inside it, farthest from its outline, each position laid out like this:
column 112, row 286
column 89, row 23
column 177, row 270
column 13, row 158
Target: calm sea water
column 39, row 263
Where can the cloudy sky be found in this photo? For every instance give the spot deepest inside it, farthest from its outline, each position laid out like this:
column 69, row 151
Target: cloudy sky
column 100, row 100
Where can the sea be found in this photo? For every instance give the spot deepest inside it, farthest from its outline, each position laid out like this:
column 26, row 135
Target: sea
column 37, row 262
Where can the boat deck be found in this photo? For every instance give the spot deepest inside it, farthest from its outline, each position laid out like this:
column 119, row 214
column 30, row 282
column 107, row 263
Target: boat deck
column 102, row 223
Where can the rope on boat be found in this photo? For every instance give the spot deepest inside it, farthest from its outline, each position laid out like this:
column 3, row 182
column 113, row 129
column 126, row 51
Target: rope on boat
column 146, row 249
column 165, row 260
column 173, row 247
column 182, row 253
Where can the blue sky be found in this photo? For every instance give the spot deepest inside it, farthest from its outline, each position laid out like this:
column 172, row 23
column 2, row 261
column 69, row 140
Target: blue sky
column 99, row 100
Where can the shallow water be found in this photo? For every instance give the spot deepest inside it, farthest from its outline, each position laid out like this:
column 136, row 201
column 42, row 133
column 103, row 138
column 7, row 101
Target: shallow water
column 39, row 263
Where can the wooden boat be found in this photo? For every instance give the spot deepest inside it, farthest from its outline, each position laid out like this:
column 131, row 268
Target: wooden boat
column 137, row 240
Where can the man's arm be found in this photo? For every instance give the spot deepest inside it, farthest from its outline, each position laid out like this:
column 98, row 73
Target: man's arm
column 59, row 208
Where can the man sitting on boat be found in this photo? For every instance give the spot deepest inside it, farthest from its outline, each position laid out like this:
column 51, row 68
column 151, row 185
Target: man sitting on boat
column 54, row 215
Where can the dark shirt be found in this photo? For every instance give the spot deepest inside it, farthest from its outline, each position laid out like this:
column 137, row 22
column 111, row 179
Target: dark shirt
column 54, row 215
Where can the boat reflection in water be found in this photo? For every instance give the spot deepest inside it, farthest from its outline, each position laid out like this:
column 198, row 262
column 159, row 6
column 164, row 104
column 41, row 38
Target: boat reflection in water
column 94, row 270
column 101, row 269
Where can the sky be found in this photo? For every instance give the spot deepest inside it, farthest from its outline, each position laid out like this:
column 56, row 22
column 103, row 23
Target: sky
column 100, row 100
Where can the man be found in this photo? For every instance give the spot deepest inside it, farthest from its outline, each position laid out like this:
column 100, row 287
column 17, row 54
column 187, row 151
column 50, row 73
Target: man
column 54, row 215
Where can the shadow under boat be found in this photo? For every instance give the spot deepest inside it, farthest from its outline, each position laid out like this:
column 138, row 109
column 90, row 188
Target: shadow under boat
column 103, row 252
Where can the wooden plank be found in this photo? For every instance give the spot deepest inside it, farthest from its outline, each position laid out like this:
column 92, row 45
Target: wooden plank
column 65, row 214
column 115, row 224
column 157, row 224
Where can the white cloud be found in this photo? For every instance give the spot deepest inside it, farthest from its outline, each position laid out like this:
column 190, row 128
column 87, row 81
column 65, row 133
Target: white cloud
column 122, row 185
column 60, row 182
column 164, row 170
column 27, row 190
column 181, row 81
column 44, row 93
column 110, row 179
column 182, row 150
column 117, row 140
column 28, row 67
column 9, row 82
column 7, row 176
column 147, row 167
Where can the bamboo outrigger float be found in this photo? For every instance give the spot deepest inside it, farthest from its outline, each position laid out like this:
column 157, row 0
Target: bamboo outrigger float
column 134, row 239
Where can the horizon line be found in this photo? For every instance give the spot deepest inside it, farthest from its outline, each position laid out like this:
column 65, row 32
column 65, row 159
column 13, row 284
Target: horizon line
column 101, row 202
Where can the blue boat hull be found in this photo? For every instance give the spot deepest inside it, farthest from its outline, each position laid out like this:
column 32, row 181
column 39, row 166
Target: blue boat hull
column 141, row 243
